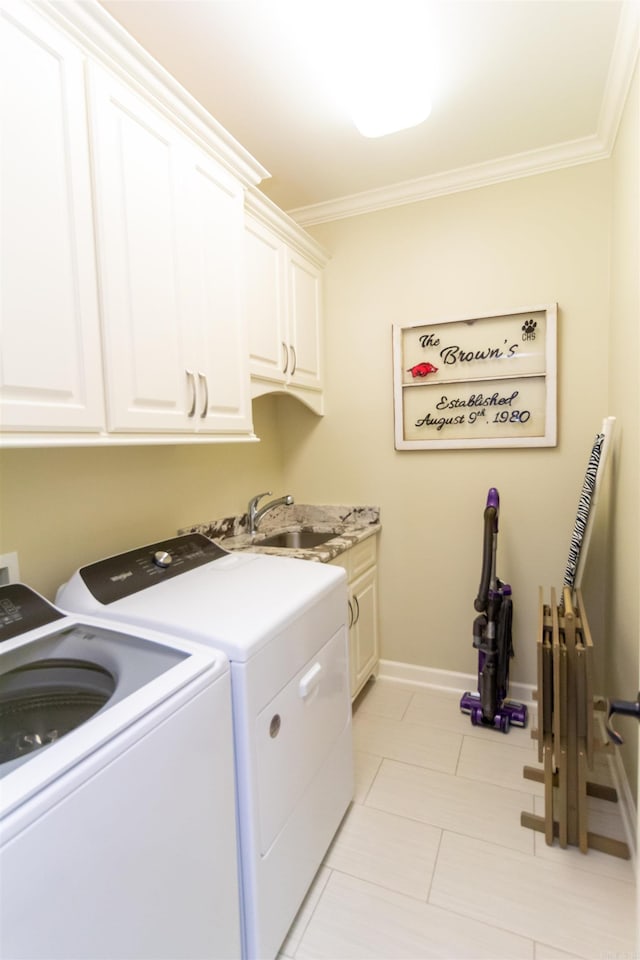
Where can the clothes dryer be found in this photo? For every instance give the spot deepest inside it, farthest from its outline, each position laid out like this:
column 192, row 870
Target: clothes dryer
column 282, row 624
column 117, row 804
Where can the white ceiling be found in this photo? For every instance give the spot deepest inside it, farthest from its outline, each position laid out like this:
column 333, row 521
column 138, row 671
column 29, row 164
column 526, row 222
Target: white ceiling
column 521, row 86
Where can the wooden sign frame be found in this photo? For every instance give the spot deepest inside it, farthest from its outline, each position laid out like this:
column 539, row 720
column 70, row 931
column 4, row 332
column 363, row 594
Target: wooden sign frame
column 485, row 381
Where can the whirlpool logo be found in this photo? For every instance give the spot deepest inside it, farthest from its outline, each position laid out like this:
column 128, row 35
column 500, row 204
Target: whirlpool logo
column 121, row 576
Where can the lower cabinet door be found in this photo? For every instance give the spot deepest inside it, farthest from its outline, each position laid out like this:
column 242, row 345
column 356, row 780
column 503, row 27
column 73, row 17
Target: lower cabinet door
column 364, row 631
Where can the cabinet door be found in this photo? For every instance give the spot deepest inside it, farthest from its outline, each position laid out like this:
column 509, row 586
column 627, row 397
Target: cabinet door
column 148, row 386
column 211, row 223
column 269, row 350
column 364, row 631
column 304, row 321
column 50, row 369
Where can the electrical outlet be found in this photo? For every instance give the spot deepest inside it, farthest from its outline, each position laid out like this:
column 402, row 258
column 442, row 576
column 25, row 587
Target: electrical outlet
column 9, row 568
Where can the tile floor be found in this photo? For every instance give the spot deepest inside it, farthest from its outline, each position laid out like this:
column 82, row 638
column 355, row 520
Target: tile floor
column 431, row 860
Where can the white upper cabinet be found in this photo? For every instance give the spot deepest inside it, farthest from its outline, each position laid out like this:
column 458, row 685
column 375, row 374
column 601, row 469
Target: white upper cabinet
column 284, row 304
column 305, row 320
column 122, row 216
column 50, row 367
column 170, row 247
column 212, row 295
column 265, row 299
column 134, row 152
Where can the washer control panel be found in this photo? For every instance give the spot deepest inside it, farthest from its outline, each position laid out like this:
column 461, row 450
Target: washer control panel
column 22, row 609
column 162, row 559
column 127, row 573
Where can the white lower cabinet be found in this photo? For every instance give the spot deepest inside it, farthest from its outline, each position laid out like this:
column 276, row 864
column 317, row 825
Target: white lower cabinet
column 50, row 366
column 170, row 224
column 364, row 653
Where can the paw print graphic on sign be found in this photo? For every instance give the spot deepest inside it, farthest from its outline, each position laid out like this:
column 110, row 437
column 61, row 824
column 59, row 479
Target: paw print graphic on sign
column 529, row 329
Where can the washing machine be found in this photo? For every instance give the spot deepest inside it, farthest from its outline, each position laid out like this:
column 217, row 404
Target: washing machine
column 117, row 801
column 281, row 623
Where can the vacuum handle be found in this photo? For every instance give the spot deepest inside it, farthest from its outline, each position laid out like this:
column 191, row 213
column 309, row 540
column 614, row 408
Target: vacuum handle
column 628, row 708
column 490, row 529
column 493, row 500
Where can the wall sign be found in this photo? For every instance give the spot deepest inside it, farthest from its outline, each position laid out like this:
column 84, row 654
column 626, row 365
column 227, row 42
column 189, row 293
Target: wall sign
column 485, row 381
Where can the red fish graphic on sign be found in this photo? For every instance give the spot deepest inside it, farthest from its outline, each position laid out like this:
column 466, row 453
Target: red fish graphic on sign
column 422, row 369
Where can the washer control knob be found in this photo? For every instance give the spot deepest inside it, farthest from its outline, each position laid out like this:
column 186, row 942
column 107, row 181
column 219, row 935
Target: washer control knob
column 162, row 559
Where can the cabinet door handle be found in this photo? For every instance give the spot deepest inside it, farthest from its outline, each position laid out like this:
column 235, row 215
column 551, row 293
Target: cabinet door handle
column 295, row 359
column 191, row 378
column 205, row 404
column 286, row 357
column 355, row 600
column 351, row 621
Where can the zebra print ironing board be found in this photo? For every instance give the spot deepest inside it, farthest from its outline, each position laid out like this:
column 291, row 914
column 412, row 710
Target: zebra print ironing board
column 586, row 505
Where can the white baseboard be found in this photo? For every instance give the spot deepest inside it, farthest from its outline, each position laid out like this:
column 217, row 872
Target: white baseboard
column 445, row 679
column 454, row 682
column 628, row 810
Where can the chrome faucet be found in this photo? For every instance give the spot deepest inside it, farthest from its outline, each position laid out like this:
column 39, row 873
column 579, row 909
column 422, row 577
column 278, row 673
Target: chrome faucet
column 254, row 515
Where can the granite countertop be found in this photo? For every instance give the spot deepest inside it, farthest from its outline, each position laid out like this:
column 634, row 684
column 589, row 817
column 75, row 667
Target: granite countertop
column 351, row 523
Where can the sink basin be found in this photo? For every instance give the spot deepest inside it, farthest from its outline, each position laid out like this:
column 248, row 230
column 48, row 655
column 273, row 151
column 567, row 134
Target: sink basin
column 297, row 539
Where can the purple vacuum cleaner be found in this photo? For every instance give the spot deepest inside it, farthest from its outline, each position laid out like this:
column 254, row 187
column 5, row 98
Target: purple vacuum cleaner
column 492, row 638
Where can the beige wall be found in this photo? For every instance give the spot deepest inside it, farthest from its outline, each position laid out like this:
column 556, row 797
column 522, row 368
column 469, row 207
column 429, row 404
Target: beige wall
column 623, row 631
column 62, row 508
column 508, row 246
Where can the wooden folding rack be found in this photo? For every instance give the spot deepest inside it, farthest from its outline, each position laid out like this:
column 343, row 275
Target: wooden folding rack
column 565, row 733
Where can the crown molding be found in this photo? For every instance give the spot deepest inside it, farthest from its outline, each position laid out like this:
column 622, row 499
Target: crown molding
column 598, row 146
column 454, row 181
column 108, row 43
column 623, row 62
column 264, row 210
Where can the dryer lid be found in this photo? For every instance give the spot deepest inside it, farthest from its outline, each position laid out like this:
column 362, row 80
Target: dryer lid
column 235, row 601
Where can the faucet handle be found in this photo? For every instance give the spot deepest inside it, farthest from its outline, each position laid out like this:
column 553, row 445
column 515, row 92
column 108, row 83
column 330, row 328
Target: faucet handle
column 255, row 500
column 252, row 508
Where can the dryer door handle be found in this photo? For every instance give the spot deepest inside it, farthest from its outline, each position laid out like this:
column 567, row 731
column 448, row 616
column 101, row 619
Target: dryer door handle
column 310, row 681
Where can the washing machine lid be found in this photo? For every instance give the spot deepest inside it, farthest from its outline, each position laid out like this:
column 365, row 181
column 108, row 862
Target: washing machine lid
column 191, row 587
column 67, row 686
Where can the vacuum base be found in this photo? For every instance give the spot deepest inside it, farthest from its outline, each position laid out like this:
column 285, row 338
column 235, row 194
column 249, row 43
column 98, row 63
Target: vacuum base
column 508, row 713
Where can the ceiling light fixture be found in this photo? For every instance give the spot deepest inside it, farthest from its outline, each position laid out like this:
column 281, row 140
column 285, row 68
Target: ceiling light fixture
column 383, row 108
column 373, row 55
column 385, row 73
